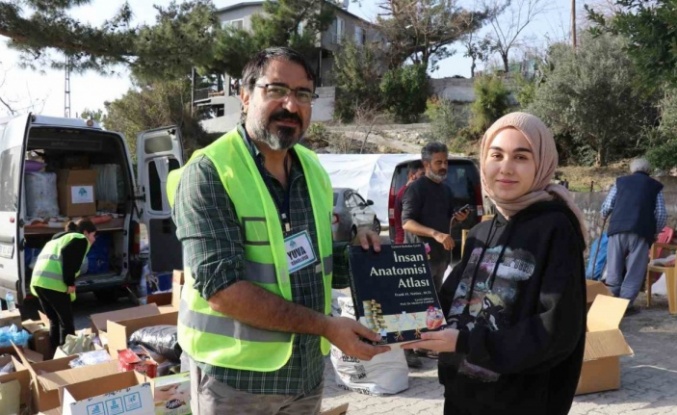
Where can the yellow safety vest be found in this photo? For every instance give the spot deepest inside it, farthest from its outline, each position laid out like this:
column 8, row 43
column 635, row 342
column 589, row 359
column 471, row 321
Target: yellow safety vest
column 217, row 339
column 48, row 271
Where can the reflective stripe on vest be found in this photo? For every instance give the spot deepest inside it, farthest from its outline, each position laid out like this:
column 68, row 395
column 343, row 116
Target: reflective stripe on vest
column 48, row 270
column 216, row 339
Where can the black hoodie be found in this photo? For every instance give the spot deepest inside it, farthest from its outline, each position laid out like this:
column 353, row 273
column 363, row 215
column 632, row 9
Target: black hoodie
column 521, row 315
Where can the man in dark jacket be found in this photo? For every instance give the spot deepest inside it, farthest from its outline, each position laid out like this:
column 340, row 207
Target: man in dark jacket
column 637, row 210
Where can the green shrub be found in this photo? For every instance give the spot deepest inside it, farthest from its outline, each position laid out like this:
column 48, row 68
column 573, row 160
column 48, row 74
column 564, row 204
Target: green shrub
column 491, row 102
column 405, row 92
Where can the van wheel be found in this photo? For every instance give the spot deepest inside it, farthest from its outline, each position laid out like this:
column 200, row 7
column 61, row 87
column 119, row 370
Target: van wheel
column 107, row 296
column 376, row 227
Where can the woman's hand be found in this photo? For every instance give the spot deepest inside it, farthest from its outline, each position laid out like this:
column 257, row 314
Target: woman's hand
column 71, row 289
column 439, row 341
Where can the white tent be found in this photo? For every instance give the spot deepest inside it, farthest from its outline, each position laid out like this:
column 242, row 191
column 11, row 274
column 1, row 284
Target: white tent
column 369, row 174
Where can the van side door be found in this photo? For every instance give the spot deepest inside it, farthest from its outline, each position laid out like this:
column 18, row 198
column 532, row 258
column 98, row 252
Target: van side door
column 159, row 151
column 13, row 132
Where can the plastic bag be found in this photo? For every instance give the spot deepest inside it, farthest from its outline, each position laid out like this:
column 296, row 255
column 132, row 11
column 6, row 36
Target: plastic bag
column 385, row 374
column 161, row 339
column 90, row 358
column 77, row 344
column 8, row 368
column 11, row 334
column 41, row 195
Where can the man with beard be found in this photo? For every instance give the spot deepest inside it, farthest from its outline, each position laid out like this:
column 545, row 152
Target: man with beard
column 427, row 209
column 253, row 213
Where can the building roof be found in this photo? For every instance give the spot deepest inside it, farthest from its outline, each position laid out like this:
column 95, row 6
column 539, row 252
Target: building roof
column 260, row 3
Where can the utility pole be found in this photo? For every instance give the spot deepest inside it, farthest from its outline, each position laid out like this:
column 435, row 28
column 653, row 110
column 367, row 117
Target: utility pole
column 67, row 90
column 573, row 23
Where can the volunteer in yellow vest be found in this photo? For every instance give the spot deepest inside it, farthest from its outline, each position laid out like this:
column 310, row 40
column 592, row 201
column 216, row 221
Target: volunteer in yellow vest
column 253, row 212
column 53, row 279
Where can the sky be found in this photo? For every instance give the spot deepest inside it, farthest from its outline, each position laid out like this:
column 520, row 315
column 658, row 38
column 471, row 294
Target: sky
column 43, row 91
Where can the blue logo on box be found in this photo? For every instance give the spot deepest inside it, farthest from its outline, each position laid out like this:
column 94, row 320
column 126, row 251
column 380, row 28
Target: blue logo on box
column 114, row 406
column 96, row 409
column 132, row 401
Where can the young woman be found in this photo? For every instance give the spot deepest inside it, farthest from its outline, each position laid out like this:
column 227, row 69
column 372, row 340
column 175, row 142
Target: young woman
column 53, row 280
column 515, row 305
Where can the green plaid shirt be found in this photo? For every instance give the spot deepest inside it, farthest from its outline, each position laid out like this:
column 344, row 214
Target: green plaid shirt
column 208, row 227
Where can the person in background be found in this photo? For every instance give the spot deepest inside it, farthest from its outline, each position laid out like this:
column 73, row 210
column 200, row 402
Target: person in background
column 253, row 213
column 516, row 304
column 53, row 279
column 427, row 210
column 414, row 171
column 638, row 214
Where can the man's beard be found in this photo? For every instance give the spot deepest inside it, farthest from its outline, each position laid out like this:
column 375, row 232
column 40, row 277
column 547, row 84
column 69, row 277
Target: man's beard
column 284, row 138
column 437, row 177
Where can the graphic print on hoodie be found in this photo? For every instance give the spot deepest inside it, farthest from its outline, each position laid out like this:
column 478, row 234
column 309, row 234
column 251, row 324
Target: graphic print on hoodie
column 499, row 272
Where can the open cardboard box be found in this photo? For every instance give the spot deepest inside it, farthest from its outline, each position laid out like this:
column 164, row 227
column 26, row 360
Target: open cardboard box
column 7, row 318
column 39, row 341
column 100, row 320
column 48, row 376
column 118, row 393
column 593, row 289
column 119, row 332
column 21, row 375
column 604, row 345
column 173, row 389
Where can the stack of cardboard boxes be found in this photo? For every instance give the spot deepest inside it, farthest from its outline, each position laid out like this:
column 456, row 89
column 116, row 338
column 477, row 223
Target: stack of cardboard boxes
column 53, row 387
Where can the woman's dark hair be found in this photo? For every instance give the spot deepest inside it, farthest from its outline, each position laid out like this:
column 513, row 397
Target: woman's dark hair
column 85, row 225
column 70, row 226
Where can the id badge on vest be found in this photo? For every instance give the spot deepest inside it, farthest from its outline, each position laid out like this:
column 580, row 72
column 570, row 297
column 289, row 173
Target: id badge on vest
column 300, row 251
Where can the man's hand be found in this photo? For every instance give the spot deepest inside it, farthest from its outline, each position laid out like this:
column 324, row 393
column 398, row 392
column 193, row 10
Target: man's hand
column 345, row 334
column 71, row 289
column 366, row 238
column 439, row 341
column 445, row 240
column 462, row 215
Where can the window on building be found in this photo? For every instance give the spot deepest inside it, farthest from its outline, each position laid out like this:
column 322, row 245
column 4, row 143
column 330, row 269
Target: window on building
column 359, row 35
column 235, row 24
column 340, row 28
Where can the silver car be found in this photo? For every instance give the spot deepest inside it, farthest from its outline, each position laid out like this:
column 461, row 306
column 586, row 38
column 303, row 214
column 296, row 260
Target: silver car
column 352, row 211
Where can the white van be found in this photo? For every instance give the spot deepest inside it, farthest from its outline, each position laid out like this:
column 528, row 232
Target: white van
column 58, row 143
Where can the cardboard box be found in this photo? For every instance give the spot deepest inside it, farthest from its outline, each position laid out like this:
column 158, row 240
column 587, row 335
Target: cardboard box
column 171, row 394
column 176, row 294
column 20, row 375
column 116, row 394
column 100, row 320
column 339, row 410
column 159, row 298
column 177, row 276
column 40, row 340
column 7, row 318
column 128, row 360
column 76, row 192
column 30, row 355
column 594, row 288
column 604, row 345
column 48, row 376
column 119, row 332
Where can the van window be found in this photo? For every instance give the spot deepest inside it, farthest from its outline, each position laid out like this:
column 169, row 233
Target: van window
column 10, row 161
column 155, row 185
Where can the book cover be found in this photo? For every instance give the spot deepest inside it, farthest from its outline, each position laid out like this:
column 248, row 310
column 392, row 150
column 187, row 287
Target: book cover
column 393, row 292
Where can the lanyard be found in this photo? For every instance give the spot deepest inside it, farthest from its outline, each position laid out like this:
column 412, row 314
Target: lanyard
column 283, row 206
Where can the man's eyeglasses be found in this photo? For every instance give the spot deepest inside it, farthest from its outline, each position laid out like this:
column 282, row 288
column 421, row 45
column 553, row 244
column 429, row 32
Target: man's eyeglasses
column 279, row 91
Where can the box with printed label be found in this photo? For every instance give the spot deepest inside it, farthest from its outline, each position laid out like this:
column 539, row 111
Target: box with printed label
column 117, row 394
column 76, row 192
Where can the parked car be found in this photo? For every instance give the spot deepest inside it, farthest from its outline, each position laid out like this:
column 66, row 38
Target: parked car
column 70, row 147
column 463, row 178
column 352, row 211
